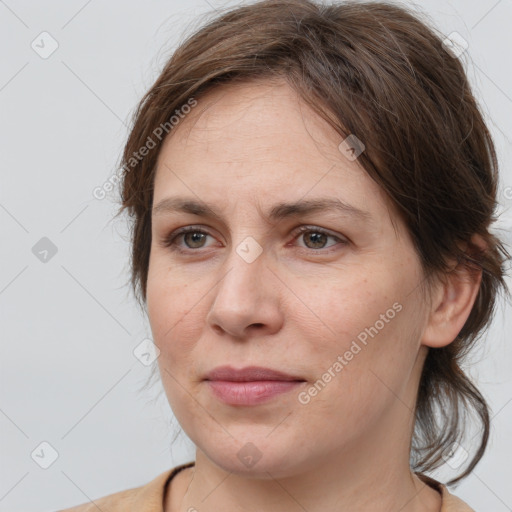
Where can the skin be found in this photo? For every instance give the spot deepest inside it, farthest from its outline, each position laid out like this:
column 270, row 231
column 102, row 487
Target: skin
column 296, row 308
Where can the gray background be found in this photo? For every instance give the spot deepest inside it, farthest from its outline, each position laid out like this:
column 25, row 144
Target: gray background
column 69, row 325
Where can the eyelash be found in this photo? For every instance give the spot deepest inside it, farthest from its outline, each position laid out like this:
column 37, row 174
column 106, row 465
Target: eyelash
column 170, row 240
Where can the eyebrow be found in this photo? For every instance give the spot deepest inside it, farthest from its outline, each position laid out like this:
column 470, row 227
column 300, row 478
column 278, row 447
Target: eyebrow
column 277, row 212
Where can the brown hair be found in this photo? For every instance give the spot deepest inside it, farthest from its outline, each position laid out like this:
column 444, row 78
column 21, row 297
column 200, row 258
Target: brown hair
column 377, row 71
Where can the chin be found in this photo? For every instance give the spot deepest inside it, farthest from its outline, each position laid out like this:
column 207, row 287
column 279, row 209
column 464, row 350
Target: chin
column 262, row 458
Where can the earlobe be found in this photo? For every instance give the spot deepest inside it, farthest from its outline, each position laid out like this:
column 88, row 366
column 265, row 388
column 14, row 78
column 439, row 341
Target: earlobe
column 452, row 305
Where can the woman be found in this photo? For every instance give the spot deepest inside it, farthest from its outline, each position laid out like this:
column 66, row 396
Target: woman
column 311, row 189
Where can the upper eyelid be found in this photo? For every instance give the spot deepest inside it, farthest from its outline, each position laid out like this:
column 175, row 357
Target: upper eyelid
column 299, row 229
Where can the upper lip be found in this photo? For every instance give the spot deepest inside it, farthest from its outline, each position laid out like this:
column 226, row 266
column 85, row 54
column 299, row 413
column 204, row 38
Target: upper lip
column 248, row 374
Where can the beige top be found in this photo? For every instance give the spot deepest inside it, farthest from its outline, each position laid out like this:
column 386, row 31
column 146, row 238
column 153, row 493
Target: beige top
column 150, row 497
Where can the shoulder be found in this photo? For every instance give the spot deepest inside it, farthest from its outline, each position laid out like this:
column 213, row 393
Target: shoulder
column 145, row 498
column 450, row 502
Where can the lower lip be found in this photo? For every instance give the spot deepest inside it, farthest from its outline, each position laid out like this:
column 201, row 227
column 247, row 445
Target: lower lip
column 250, row 393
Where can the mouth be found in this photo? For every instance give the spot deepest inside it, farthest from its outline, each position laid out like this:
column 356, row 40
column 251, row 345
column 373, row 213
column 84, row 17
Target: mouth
column 250, row 374
column 251, row 385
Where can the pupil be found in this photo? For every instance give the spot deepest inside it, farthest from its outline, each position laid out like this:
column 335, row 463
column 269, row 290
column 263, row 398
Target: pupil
column 317, row 238
column 195, row 236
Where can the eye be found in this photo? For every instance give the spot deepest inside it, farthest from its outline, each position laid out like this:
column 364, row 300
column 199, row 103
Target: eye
column 192, row 236
column 317, row 237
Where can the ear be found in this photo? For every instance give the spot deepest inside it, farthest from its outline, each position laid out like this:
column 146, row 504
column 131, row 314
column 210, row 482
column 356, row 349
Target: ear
column 452, row 302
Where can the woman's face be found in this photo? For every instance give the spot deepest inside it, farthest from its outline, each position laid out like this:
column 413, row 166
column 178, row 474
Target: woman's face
column 340, row 309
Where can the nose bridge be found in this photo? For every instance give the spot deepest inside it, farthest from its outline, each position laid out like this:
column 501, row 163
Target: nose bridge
column 242, row 296
column 245, row 268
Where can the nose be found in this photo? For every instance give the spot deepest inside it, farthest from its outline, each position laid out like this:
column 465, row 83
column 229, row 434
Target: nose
column 246, row 299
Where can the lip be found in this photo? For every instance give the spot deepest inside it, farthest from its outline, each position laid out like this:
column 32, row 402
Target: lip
column 252, row 385
column 249, row 374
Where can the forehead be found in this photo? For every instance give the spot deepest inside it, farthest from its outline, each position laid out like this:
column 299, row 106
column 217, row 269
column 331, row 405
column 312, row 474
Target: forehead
column 260, row 140
column 234, row 120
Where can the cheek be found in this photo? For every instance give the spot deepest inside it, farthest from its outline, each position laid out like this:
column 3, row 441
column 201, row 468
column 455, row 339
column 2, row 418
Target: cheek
column 364, row 329
column 175, row 325
column 340, row 309
column 176, row 306
column 170, row 305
